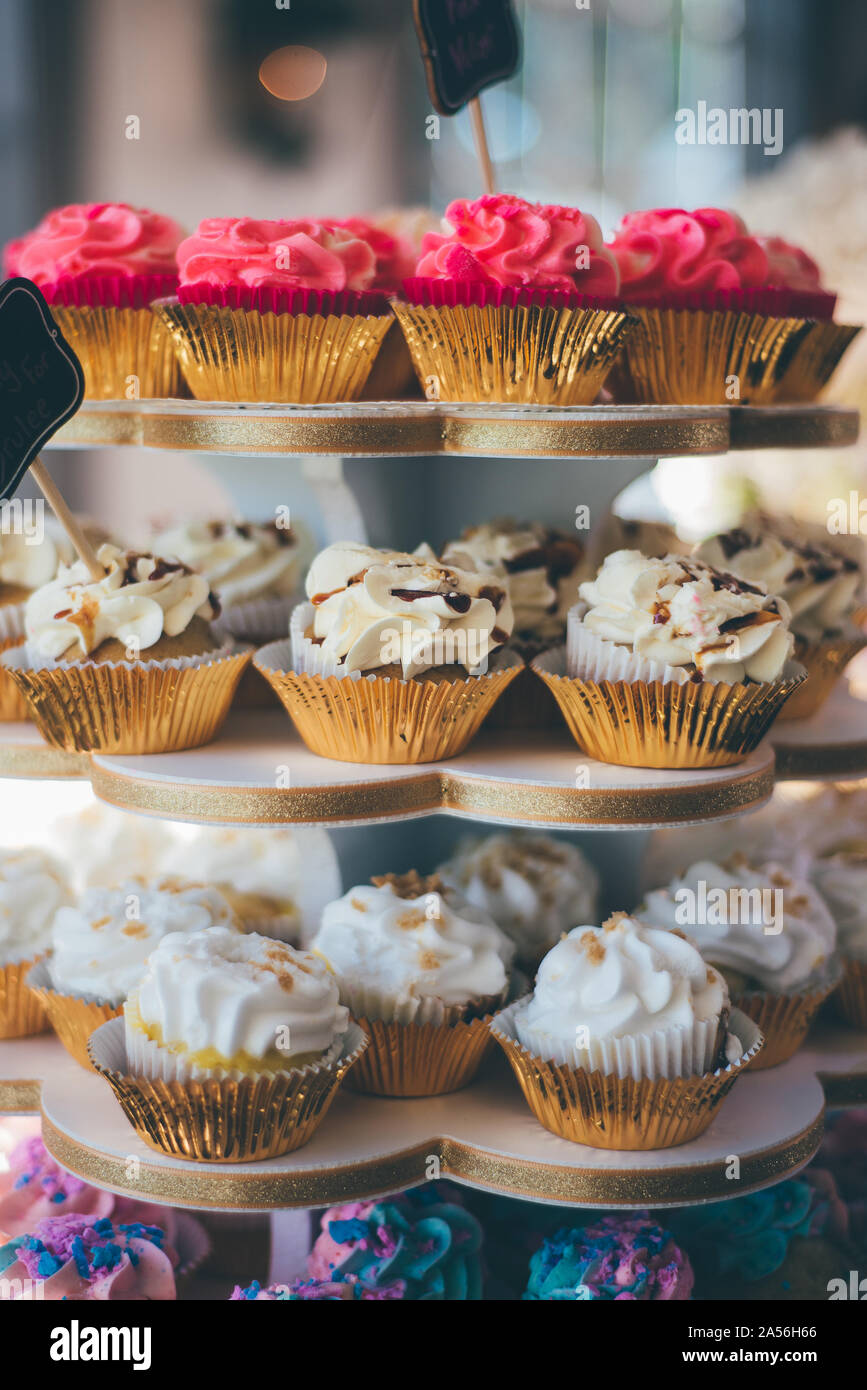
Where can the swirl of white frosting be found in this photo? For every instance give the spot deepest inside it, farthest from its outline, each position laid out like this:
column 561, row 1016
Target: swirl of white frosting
column 33, row 885
column 758, row 920
column 26, row 560
column 620, row 980
column 539, row 565
column 139, row 599
column 534, row 887
column 684, row 613
column 411, row 948
column 841, row 878
column 376, row 607
column 229, row 992
column 242, row 560
column 819, row 583
column 101, row 945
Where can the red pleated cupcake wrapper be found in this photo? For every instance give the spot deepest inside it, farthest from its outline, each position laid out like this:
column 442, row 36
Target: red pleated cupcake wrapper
column 275, row 299
column 450, row 293
column 110, row 291
column 773, row 300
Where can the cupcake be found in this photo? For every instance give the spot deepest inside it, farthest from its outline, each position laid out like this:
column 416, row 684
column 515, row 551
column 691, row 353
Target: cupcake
column 821, row 585
column 254, row 568
column 346, row 1290
column 101, row 266
column 768, row 932
column 100, row 947
column 78, row 1259
column 533, row 886
column 839, row 872
column 627, row 1041
column 619, row 1257
column 231, row 1047
column 127, row 663
column 33, row 885
column 396, row 658
column 100, row 844
column 276, row 310
column 401, row 1250
column 789, row 1242
column 516, row 302
column 670, row 663
column 722, row 316
column 421, row 971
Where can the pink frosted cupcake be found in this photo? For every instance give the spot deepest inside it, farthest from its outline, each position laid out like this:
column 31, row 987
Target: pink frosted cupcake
column 75, row 1258
column 516, row 301
column 277, row 310
column 396, row 255
column 101, row 266
column 724, row 317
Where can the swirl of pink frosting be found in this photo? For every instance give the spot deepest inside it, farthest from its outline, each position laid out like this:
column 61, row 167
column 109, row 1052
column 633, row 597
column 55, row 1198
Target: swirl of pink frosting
column 789, row 266
column 395, row 255
column 503, row 240
column 91, row 240
column 302, row 255
column 667, row 249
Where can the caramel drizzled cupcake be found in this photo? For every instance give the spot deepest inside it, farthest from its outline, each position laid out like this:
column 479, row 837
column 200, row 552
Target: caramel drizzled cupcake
column 127, row 663
column 33, row 885
column 396, row 658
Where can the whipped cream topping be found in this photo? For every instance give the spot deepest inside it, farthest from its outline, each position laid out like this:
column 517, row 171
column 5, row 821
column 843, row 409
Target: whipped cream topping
column 101, row 945
column 33, row 885
column 233, row 993
column 413, row 947
column 533, row 886
column 819, row 583
column 622, row 979
column 26, row 563
column 242, row 560
column 685, row 613
column 539, row 565
column 377, row 607
column 841, row 878
column 140, row 598
column 758, row 920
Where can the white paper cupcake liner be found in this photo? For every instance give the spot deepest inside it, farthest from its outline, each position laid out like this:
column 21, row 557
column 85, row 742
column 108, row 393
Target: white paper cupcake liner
column 661, row 1055
column 376, row 1004
column 27, row 658
column 11, row 622
column 258, row 620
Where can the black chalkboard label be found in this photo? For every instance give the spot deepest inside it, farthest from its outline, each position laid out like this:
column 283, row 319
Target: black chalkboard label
column 466, row 45
column 41, row 381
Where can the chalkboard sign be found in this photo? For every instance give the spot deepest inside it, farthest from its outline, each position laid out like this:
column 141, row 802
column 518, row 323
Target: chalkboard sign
column 466, row 45
column 41, row 381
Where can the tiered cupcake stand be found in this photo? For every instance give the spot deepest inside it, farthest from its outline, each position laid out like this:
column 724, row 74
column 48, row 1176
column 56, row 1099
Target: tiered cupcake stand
column 454, row 459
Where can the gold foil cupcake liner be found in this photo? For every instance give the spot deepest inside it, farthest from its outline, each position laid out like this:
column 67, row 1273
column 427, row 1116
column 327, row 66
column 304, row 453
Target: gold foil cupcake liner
column 613, row 1112
column 114, row 345
column 21, row 1009
column 420, row 1059
column 13, row 706
column 382, row 719
column 785, row 1019
column 531, row 354
column 824, row 663
column 688, row 357
column 242, row 355
column 72, row 1017
column 126, row 707
column 851, row 997
column 223, row 1119
column 665, row 724
column 526, row 704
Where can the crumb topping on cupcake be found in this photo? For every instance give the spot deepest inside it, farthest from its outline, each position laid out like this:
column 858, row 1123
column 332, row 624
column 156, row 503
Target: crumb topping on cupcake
column 78, row 1258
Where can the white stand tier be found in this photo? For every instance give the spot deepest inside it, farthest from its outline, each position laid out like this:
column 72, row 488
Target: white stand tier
column 831, row 743
column 259, row 771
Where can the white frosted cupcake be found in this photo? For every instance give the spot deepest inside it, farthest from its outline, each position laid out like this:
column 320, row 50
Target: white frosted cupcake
column 627, row 1039
column 101, row 845
column 421, row 970
column 33, row 885
column 231, row 1048
column 670, row 663
column 840, row 874
column 101, row 945
column 534, row 887
column 255, row 569
column 396, row 657
column 126, row 663
column 820, row 583
column 767, row 931
column 277, row 879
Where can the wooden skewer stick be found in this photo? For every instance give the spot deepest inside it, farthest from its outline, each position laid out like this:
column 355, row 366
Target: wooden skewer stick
column 481, row 142
column 58, row 505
